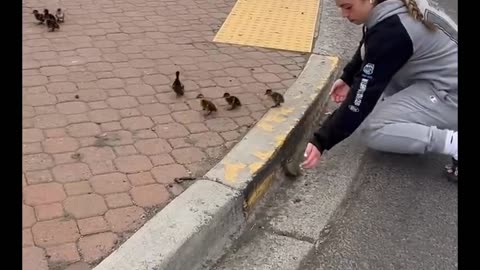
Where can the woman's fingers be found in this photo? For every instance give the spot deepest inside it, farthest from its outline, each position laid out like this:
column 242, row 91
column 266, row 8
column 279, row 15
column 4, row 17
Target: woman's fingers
column 312, row 155
column 310, row 162
column 338, row 98
column 308, row 150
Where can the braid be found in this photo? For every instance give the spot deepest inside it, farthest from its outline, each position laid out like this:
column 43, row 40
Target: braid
column 415, row 12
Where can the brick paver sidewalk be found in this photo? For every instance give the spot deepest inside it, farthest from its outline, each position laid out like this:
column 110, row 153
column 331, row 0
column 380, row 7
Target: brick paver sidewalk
column 103, row 133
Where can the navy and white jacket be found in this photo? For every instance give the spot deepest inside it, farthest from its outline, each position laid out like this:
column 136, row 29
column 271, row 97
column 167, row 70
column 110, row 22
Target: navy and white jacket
column 396, row 51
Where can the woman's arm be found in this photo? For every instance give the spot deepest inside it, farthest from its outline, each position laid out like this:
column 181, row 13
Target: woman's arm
column 354, row 65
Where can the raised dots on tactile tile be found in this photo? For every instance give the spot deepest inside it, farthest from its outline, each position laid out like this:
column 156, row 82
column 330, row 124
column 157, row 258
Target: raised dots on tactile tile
column 286, row 25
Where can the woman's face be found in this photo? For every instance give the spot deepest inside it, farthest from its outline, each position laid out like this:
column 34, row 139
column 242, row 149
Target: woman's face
column 356, row 11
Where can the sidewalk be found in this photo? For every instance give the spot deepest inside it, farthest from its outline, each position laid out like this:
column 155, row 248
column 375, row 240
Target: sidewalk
column 103, row 133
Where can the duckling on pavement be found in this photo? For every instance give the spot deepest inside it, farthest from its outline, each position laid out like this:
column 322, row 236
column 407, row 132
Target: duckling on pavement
column 276, row 97
column 60, row 15
column 233, row 101
column 178, row 86
column 40, row 17
column 207, row 105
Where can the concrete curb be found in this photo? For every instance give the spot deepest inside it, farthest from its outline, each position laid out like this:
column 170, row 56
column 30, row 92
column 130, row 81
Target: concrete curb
column 249, row 166
column 194, row 229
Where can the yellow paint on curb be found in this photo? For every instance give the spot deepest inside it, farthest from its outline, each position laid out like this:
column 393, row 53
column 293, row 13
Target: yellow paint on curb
column 273, row 117
column 334, row 60
column 258, row 192
column 232, row 170
column 280, row 139
column 264, row 155
column 286, row 110
column 265, row 126
column 278, row 24
column 255, row 166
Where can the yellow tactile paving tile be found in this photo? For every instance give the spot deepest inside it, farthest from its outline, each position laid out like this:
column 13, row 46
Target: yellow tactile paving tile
column 279, row 24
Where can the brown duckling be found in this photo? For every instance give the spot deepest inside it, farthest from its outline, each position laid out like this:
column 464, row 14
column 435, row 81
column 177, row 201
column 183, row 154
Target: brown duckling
column 40, row 17
column 233, row 101
column 276, row 97
column 60, row 15
column 177, row 86
column 207, row 105
column 46, row 14
column 52, row 23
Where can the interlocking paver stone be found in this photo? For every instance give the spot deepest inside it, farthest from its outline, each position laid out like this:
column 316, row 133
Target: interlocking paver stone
column 133, row 164
column 66, row 253
column 96, row 246
column 27, row 238
column 153, row 146
column 56, row 232
column 43, row 194
column 34, row 258
column 92, row 225
column 37, row 177
column 72, row 172
column 109, row 183
column 84, row 206
column 28, row 216
column 125, row 219
column 49, row 211
column 83, row 130
column 150, row 195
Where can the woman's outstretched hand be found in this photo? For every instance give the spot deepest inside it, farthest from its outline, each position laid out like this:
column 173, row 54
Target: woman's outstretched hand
column 312, row 156
column 339, row 91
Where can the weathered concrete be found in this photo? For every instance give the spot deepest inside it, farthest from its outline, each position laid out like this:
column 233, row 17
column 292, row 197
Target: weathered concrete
column 261, row 256
column 178, row 236
column 299, row 210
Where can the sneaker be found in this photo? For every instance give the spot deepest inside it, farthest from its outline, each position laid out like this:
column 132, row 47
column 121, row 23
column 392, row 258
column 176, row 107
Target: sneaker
column 452, row 171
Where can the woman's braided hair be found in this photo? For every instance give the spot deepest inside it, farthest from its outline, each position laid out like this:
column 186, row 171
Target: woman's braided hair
column 415, row 12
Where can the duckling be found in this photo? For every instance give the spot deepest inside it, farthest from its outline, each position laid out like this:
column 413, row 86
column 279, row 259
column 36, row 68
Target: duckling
column 40, row 17
column 46, row 14
column 52, row 23
column 51, row 20
column 277, row 97
column 177, row 86
column 233, row 101
column 60, row 15
column 207, row 105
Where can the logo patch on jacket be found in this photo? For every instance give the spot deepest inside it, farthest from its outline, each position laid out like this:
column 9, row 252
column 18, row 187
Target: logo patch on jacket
column 353, row 108
column 368, row 69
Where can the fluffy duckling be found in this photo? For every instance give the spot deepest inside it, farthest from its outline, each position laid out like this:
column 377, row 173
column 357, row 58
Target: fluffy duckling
column 40, row 17
column 46, row 14
column 276, row 97
column 233, row 101
column 60, row 15
column 177, row 86
column 52, row 23
column 207, row 105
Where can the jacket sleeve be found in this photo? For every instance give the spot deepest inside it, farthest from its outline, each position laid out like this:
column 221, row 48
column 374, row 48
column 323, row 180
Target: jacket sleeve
column 354, row 65
column 388, row 48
